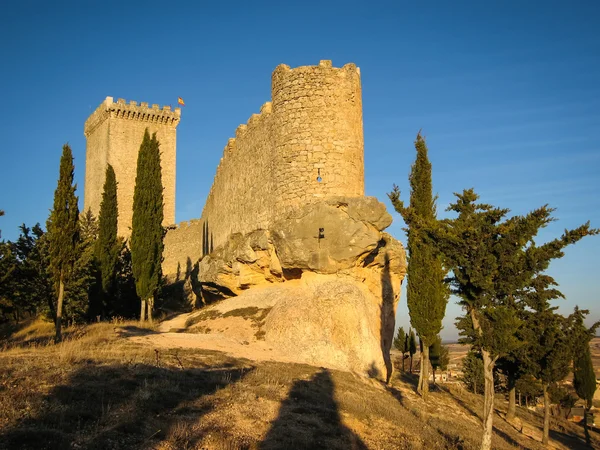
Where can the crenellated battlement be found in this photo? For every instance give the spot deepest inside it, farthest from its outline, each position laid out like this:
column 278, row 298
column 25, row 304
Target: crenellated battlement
column 131, row 111
column 254, row 124
column 114, row 133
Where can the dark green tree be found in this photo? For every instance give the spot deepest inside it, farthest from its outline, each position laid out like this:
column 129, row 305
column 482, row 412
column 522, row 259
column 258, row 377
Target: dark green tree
column 412, row 346
column 492, row 260
column 514, row 364
column 439, row 357
column 108, row 247
column 548, row 354
column 513, row 368
column 25, row 286
column 147, row 230
column 63, row 232
column 529, row 388
column 426, row 293
column 128, row 302
column 584, row 379
column 472, row 368
column 81, row 286
column 400, row 344
column 563, row 398
column 8, row 265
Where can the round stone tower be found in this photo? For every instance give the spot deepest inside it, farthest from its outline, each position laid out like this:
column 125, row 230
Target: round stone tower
column 318, row 133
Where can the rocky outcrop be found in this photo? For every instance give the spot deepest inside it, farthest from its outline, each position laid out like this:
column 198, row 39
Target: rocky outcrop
column 341, row 312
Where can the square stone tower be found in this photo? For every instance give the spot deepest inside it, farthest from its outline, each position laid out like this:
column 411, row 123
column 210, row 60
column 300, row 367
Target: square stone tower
column 114, row 133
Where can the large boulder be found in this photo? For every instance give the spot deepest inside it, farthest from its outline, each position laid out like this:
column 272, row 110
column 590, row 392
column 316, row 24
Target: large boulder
column 331, row 235
column 342, row 313
column 332, row 322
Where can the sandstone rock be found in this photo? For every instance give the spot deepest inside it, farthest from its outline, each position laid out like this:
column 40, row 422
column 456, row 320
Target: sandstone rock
column 348, row 231
column 342, row 312
column 328, row 322
column 243, row 261
column 366, row 209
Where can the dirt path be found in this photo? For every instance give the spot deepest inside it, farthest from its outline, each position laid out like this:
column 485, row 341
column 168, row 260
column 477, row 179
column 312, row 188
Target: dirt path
column 254, row 350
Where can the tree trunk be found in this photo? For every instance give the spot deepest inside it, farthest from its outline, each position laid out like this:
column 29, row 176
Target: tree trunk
column 488, row 394
column 51, row 307
column 423, row 386
column 520, row 403
column 510, row 414
column 143, row 311
column 411, row 363
column 433, row 370
column 402, row 362
column 586, row 429
column 488, row 400
column 59, row 307
column 546, row 415
column 150, row 303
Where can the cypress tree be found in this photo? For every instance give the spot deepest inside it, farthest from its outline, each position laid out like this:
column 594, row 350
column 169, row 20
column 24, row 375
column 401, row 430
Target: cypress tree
column 147, row 230
column 63, row 232
column 107, row 247
column 84, row 274
column 400, row 343
column 584, row 378
column 412, row 346
column 438, row 356
column 426, row 293
column 492, row 260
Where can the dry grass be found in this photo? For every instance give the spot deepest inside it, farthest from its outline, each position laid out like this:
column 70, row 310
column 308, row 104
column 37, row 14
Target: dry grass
column 98, row 390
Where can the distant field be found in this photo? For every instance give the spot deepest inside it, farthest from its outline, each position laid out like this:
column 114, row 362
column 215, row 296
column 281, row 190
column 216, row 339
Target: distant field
column 459, row 351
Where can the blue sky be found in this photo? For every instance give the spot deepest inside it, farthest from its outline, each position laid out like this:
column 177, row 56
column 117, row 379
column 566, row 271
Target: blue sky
column 507, row 95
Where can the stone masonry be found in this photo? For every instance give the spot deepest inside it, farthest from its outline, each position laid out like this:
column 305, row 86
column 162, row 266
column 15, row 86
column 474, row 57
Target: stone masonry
column 312, row 129
column 304, row 145
column 114, row 134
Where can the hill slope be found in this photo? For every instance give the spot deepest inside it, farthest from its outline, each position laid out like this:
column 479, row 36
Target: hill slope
column 101, row 389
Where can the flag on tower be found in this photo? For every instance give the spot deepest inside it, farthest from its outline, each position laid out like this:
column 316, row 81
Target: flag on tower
column 180, row 101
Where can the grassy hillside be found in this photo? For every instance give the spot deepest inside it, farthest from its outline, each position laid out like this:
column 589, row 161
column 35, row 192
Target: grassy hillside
column 100, row 390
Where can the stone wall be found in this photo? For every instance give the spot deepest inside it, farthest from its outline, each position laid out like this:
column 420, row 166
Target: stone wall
column 242, row 196
column 114, row 134
column 304, row 145
column 185, row 244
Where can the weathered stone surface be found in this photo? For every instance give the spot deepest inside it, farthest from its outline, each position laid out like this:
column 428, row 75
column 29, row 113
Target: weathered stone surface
column 342, row 314
column 366, row 209
column 330, row 322
column 293, row 244
column 348, row 233
column 243, row 262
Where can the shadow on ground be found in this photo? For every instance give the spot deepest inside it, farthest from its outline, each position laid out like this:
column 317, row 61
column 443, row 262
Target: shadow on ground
column 309, row 418
column 119, row 406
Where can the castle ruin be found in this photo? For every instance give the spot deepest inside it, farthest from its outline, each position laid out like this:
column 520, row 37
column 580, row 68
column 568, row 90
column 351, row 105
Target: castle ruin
column 304, row 145
column 286, row 212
